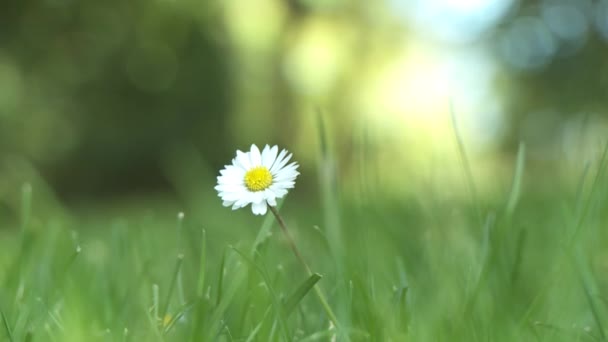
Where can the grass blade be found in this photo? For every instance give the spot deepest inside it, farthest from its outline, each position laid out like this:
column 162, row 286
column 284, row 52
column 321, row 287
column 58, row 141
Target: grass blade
column 329, row 190
column 589, row 286
column 519, row 248
column 9, row 333
column 517, row 178
column 403, row 317
column 220, row 279
column 324, row 335
column 198, row 319
column 26, row 206
column 178, row 266
column 214, row 325
column 264, row 231
column 332, row 219
column 257, row 328
column 273, row 295
column 466, row 165
column 486, row 256
column 180, row 247
column 582, row 211
column 585, row 208
column 200, row 288
column 178, row 314
column 295, row 298
column 156, row 302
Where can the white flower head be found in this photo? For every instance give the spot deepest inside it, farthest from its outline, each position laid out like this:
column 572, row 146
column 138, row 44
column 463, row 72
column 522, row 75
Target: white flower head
column 257, row 178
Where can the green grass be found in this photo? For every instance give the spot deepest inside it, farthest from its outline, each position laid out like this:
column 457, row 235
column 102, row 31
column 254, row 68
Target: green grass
column 402, row 269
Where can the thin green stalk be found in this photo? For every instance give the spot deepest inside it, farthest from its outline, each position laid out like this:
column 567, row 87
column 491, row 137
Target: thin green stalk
column 517, row 179
column 264, row 233
column 329, row 191
column 467, row 166
column 9, row 333
column 180, row 229
column 180, row 280
column 178, row 266
column 200, row 288
column 26, row 206
column 300, row 258
column 155, row 301
column 220, row 280
column 255, row 331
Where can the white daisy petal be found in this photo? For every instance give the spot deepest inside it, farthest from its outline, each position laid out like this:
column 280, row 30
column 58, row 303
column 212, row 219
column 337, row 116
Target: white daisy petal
column 286, row 174
column 277, row 160
column 232, row 197
column 285, row 185
column 279, row 163
column 242, row 160
column 265, row 151
column 259, row 208
column 232, row 170
column 270, row 197
column 279, row 192
column 255, row 157
column 227, row 203
column 230, row 187
column 241, row 202
column 269, row 155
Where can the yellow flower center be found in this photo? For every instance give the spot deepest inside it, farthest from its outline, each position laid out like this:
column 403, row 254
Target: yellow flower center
column 258, row 179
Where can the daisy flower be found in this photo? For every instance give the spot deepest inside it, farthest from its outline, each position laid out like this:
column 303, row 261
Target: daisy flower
column 258, row 178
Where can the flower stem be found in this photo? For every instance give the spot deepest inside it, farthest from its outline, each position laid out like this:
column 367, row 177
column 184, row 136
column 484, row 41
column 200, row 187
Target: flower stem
column 299, row 256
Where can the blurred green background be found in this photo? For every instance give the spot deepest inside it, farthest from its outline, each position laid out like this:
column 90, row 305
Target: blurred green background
column 449, row 148
column 97, row 98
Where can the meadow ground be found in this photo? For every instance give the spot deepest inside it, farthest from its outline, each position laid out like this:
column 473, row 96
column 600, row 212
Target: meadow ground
column 528, row 266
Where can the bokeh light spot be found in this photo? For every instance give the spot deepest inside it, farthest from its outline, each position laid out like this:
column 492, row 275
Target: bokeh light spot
column 459, row 21
column 528, row 43
column 315, row 58
column 556, row 16
column 601, row 18
column 254, row 24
